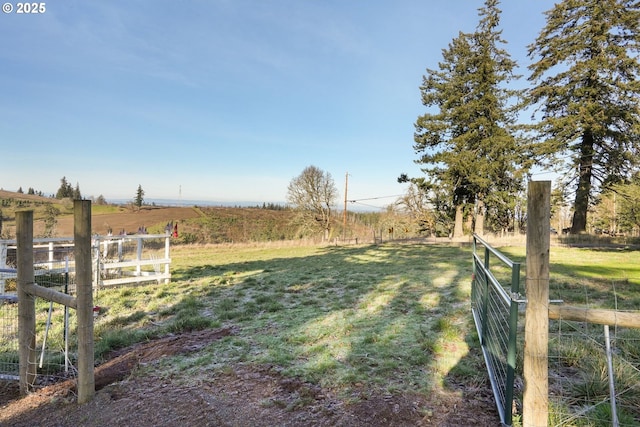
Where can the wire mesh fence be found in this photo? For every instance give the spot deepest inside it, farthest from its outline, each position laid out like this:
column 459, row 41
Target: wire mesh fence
column 55, row 342
column 495, row 308
column 55, row 347
column 594, row 369
column 116, row 260
column 8, row 337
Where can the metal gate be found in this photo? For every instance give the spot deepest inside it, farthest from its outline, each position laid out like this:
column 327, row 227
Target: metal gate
column 495, row 312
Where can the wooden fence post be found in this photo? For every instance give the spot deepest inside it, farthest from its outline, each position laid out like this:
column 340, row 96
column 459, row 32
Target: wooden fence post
column 84, row 289
column 535, row 411
column 26, row 301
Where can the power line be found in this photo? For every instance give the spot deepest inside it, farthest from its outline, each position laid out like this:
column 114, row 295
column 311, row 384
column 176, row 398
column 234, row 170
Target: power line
column 374, row 198
column 370, row 206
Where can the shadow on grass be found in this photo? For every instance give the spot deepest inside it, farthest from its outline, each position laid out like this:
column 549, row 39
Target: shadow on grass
column 392, row 317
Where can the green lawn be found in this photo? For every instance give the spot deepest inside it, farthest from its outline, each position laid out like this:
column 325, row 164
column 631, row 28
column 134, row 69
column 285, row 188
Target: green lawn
column 591, row 277
column 390, row 318
column 579, row 380
column 393, row 317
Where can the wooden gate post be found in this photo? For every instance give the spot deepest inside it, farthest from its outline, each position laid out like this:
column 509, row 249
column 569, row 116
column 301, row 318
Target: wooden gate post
column 535, row 411
column 26, row 301
column 84, row 290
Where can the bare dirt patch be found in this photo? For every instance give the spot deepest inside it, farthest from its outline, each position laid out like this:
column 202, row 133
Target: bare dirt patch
column 242, row 395
column 130, row 220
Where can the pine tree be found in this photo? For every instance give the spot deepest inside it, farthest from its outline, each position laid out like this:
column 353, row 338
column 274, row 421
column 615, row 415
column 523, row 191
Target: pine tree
column 77, row 195
column 139, row 199
column 65, row 189
column 468, row 146
column 587, row 82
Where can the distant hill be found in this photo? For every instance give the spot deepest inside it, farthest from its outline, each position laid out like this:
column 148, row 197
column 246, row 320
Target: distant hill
column 195, row 224
column 6, row 195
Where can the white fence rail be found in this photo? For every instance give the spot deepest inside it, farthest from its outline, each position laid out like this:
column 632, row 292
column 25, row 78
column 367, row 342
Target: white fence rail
column 131, row 259
column 116, row 260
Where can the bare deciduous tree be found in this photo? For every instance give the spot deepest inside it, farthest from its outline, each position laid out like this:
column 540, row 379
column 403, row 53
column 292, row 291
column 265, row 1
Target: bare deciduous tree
column 313, row 194
column 416, row 204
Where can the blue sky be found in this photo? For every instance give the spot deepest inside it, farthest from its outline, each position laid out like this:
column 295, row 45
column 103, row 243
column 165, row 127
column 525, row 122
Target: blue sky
column 225, row 100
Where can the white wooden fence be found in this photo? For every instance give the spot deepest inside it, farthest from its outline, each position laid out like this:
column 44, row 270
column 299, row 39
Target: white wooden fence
column 130, row 259
column 116, row 260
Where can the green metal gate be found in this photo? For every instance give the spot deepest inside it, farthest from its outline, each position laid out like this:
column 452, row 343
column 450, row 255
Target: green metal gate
column 495, row 312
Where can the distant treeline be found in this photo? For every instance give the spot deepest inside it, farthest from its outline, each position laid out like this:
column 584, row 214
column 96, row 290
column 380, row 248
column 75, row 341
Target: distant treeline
column 273, row 207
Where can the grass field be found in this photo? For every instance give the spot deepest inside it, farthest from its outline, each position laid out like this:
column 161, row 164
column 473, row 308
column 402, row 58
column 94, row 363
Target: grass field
column 578, row 374
column 591, row 277
column 381, row 319
column 392, row 317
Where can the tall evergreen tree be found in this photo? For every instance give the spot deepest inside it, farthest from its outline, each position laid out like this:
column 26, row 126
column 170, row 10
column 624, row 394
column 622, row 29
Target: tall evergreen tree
column 139, row 199
column 587, row 86
column 468, row 144
column 77, row 195
column 65, row 189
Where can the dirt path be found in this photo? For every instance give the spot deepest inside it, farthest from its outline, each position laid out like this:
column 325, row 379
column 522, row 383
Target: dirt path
column 243, row 395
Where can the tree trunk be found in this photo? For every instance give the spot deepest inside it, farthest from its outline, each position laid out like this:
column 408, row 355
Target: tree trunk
column 585, row 171
column 479, row 224
column 469, row 221
column 457, row 227
column 326, row 223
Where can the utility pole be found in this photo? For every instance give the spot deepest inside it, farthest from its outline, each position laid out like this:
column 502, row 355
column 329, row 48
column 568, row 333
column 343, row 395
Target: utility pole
column 344, row 213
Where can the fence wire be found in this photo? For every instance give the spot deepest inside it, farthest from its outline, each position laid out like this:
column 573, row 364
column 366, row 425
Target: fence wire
column 55, row 348
column 117, row 260
column 496, row 317
column 56, row 341
column 497, row 342
column 581, row 389
column 8, row 337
